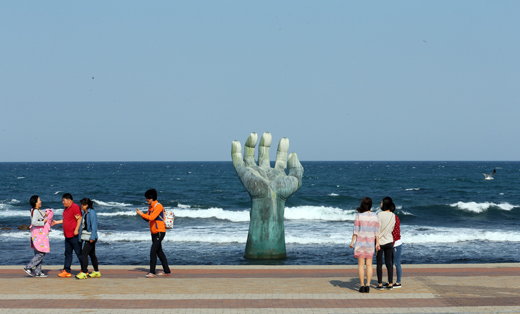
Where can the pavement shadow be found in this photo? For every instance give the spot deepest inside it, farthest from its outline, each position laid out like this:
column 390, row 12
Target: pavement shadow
column 140, row 269
column 352, row 284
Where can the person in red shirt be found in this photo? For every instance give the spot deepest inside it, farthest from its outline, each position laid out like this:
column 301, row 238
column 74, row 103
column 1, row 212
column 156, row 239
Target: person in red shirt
column 71, row 224
column 155, row 217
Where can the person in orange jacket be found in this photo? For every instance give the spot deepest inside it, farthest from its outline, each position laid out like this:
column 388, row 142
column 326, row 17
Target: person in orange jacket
column 155, row 216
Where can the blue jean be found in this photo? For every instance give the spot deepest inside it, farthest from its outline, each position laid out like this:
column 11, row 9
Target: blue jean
column 71, row 244
column 397, row 261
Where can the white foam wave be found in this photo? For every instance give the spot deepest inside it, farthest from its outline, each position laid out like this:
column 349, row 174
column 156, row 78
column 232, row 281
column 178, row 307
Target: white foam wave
column 23, row 213
column 333, row 194
column 183, row 206
column 449, row 235
column 413, row 189
column 481, row 207
column 20, row 178
column 10, row 202
column 319, row 213
column 128, row 213
column 15, row 213
column 291, row 213
column 111, row 204
column 219, row 213
column 303, row 236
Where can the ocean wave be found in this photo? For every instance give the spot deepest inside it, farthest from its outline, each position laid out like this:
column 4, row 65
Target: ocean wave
column 23, row 213
column 413, row 189
column 319, row 213
column 335, row 236
column 481, row 207
column 111, row 204
column 219, row 213
column 448, row 235
column 333, row 194
column 9, row 202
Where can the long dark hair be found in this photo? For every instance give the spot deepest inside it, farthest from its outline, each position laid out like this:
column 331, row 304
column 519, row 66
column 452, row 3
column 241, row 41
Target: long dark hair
column 365, row 206
column 87, row 201
column 33, row 200
column 388, row 204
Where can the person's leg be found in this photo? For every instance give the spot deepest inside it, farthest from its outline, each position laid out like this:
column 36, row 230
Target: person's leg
column 161, row 255
column 84, row 256
column 68, row 255
column 379, row 267
column 36, row 262
column 397, row 262
column 76, row 246
column 388, row 262
column 153, row 252
column 370, row 271
column 93, row 257
column 361, row 270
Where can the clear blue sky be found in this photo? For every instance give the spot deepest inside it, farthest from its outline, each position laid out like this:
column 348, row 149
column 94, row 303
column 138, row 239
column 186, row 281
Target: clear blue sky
column 180, row 80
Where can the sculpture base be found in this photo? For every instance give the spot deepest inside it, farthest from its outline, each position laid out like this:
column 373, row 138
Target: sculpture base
column 265, row 256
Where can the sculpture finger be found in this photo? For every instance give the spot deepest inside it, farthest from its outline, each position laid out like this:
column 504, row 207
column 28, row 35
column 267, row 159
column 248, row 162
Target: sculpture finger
column 236, row 155
column 295, row 168
column 263, row 150
column 249, row 150
column 281, row 154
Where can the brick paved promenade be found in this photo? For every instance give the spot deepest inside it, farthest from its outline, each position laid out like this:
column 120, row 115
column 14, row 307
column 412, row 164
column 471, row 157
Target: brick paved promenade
column 482, row 288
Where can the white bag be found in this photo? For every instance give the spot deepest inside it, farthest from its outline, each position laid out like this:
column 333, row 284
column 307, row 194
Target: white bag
column 169, row 218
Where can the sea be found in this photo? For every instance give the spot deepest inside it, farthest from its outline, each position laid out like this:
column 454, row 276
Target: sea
column 449, row 213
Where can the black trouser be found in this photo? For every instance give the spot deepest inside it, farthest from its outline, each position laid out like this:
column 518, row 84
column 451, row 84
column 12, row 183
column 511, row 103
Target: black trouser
column 71, row 244
column 89, row 249
column 387, row 249
column 156, row 251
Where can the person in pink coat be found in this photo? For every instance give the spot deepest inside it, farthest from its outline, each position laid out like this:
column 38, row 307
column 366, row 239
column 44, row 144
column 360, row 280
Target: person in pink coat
column 40, row 228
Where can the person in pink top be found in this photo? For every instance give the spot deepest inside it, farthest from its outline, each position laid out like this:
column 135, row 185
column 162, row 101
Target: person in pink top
column 40, row 228
column 364, row 241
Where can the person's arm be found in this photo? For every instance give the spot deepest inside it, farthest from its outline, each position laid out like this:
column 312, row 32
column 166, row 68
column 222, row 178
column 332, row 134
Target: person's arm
column 353, row 240
column 357, row 228
column 78, row 218
column 93, row 225
column 57, row 222
column 154, row 214
column 376, row 234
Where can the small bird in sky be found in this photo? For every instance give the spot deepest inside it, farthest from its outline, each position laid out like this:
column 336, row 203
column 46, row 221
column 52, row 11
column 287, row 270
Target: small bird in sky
column 489, row 176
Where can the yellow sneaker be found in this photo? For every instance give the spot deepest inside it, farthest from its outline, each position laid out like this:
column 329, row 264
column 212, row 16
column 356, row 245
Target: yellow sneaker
column 95, row 274
column 82, row 275
column 64, row 274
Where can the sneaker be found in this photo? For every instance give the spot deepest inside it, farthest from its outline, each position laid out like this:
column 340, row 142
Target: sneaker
column 380, row 287
column 28, row 271
column 42, row 275
column 64, row 274
column 95, row 274
column 390, row 287
column 82, row 275
column 397, row 285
